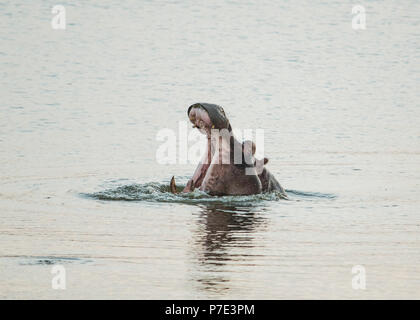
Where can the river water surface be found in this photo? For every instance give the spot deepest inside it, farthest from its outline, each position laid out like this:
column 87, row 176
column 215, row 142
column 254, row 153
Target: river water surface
column 80, row 185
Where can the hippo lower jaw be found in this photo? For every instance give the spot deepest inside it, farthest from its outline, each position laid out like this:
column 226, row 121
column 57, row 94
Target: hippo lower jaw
column 216, row 175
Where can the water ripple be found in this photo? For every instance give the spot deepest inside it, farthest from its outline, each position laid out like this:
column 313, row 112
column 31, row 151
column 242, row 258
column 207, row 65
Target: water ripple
column 160, row 192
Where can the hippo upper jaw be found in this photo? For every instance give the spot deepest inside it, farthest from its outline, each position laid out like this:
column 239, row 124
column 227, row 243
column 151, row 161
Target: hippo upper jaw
column 207, row 116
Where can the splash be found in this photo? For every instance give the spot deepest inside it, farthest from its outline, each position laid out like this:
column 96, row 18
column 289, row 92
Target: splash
column 159, row 192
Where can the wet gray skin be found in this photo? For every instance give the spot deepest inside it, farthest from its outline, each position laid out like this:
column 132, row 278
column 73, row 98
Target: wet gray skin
column 228, row 166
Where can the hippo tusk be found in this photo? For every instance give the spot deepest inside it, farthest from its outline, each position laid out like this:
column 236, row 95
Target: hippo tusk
column 190, row 186
column 172, row 185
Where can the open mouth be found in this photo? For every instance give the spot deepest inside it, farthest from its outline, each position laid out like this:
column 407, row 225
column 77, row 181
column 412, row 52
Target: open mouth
column 201, row 120
column 205, row 117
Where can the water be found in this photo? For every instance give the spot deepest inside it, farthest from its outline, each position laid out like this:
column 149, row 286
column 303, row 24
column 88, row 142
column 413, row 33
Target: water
column 80, row 185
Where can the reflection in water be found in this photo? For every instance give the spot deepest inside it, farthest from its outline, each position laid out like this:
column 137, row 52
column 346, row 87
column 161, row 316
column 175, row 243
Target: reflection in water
column 223, row 237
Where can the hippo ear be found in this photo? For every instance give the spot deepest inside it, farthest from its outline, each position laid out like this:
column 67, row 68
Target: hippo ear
column 265, row 160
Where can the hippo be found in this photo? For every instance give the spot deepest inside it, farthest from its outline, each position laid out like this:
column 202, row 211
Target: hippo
column 228, row 167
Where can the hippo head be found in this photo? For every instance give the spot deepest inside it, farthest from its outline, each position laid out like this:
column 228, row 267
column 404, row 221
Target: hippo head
column 236, row 176
column 207, row 117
